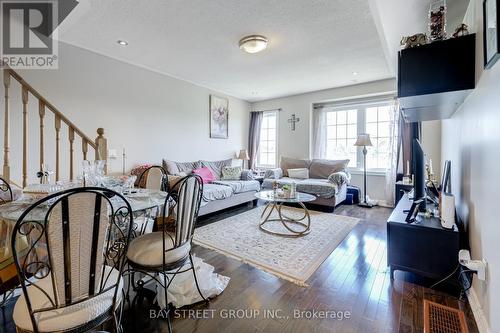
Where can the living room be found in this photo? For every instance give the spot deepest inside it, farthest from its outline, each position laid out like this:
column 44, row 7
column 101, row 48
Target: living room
column 294, row 125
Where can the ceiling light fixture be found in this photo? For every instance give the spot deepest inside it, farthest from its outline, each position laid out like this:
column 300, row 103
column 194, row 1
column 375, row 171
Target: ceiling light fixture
column 355, row 73
column 253, row 43
column 122, row 42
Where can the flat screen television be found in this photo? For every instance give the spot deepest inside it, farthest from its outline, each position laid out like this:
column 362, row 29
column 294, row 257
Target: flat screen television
column 418, row 158
column 446, row 183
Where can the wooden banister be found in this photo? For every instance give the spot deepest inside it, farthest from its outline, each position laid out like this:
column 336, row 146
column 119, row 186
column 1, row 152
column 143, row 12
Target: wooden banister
column 99, row 144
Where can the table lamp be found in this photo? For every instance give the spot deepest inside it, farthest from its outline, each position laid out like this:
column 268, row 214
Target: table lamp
column 243, row 156
column 364, row 141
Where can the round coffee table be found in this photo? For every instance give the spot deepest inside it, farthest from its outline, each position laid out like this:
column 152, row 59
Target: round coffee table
column 275, row 203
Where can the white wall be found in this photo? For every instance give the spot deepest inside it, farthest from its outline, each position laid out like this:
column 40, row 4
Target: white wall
column 297, row 143
column 471, row 140
column 151, row 115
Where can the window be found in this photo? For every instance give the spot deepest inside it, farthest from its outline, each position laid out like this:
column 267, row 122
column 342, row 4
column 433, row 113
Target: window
column 344, row 123
column 341, row 135
column 267, row 155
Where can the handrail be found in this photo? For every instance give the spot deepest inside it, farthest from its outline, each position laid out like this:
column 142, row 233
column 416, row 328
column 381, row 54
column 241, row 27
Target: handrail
column 99, row 144
column 50, row 106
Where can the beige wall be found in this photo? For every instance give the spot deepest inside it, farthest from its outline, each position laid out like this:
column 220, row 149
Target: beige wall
column 152, row 116
column 471, row 140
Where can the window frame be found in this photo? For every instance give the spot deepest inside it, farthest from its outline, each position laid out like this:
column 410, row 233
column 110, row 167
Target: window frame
column 361, row 108
column 275, row 164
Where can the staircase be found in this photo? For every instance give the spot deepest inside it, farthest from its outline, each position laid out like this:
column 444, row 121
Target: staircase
column 34, row 147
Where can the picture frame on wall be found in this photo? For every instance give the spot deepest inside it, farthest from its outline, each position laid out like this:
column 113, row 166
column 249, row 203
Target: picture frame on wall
column 219, row 117
column 491, row 37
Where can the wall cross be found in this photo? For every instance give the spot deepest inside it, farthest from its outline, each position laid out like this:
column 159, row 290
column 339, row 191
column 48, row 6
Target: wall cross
column 292, row 121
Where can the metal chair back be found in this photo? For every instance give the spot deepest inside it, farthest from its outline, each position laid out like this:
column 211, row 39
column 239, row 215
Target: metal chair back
column 5, row 191
column 86, row 236
column 155, row 178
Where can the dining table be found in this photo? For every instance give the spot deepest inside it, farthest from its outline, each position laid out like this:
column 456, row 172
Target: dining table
column 145, row 203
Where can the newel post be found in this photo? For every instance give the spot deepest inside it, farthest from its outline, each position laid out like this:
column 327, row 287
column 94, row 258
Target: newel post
column 101, row 151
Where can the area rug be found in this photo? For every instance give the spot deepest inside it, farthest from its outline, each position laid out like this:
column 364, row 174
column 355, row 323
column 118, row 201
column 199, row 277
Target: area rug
column 293, row 259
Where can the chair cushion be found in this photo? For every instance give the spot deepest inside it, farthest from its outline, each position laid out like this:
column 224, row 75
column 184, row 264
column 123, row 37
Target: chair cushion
column 147, row 250
column 68, row 317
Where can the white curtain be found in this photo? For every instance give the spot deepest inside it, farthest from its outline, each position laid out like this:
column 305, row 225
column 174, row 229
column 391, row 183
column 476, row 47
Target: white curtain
column 319, row 138
column 391, row 171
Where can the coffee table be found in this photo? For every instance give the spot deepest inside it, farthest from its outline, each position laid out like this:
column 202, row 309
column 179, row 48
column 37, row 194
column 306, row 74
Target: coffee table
column 275, row 203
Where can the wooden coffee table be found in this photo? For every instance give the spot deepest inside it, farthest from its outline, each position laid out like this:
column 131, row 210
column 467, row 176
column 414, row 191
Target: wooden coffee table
column 296, row 227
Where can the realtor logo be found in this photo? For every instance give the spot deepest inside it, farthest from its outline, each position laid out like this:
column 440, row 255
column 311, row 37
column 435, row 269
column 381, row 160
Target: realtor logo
column 29, row 34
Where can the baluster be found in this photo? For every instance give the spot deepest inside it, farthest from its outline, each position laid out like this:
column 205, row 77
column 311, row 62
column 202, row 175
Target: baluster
column 58, row 137
column 71, row 136
column 25, row 135
column 41, row 112
column 101, row 151
column 6, row 166
column 85, row 148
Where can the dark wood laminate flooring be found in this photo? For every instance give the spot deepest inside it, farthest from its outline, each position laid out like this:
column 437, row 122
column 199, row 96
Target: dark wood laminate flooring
column 353, row 280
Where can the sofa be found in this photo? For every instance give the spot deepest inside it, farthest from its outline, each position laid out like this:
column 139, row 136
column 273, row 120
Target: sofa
column 219, row 193
column 326, row 179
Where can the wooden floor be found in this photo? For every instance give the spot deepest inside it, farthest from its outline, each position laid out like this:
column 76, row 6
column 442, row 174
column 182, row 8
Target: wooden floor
column 354, row 280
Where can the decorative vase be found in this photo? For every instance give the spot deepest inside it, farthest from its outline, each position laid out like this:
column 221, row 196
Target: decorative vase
column 437, row 20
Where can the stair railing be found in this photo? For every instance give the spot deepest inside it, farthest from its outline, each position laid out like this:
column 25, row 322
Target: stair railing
column 99, row 145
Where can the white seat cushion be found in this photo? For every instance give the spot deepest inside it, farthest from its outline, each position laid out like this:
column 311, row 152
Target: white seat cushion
column 68, row 317
column 147, row 250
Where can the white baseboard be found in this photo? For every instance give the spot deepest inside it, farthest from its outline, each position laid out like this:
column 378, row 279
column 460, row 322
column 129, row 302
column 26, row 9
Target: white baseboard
column 477, row 310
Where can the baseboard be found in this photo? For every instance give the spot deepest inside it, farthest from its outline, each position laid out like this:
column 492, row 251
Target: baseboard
column 477, row 310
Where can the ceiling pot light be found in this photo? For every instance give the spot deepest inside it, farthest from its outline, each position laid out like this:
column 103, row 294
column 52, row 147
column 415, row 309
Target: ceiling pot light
column 253, row 43
column 122, row 42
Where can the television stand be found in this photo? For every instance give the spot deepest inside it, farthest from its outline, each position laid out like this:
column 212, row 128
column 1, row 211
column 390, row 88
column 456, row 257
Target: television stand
column 423, row 247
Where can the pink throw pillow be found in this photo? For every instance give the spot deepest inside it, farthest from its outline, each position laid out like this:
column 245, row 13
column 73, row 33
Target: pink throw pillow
column 206, row 174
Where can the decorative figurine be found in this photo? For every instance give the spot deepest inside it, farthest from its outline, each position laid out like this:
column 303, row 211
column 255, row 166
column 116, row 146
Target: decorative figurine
column 413, row 41
column 461, row 30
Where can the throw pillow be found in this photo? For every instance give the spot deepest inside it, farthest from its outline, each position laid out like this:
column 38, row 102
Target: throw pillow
column 206, row 175
column 323, row 168
column 217, row 166
column 292, row 163
column 172, row 180
column 339, row 178
column 231, row 173
column 300, row 173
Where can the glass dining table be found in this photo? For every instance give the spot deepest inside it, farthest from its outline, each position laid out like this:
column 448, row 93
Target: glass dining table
column 145, row 204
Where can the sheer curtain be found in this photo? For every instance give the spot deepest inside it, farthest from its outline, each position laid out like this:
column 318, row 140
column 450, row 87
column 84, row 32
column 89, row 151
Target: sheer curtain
column 392, row 169
column 319, row 138
column 254, row 137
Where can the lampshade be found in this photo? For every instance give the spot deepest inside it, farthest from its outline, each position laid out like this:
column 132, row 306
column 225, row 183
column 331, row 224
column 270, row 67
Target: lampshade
column 363, row 140
column 243, row 155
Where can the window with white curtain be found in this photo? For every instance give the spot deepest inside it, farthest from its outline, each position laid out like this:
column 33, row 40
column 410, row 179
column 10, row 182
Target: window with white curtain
column 268, row 152
column 338, row 125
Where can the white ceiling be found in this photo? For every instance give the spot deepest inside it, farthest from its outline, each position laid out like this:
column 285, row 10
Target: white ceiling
column 313, row 44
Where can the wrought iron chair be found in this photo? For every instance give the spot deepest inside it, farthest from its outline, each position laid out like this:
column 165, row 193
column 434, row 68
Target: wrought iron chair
column 5, row 192
column 153, row 178
column 162, row 254
column 5, row 196
column 71, row 273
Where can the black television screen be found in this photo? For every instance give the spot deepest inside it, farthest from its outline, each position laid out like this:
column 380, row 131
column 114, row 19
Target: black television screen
column 445, row 182
column 418, row 158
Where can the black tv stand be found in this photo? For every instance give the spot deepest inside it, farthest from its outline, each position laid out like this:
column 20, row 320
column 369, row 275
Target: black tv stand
column 423, row 247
